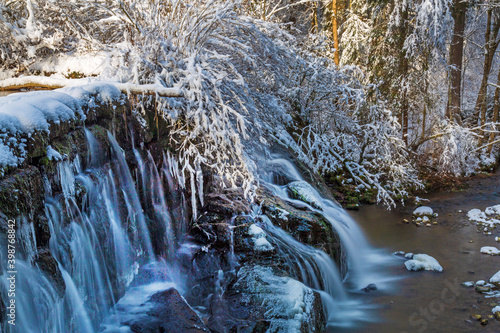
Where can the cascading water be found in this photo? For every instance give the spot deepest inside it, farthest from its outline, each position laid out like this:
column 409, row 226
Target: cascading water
column 314, row 267
column 101, row 229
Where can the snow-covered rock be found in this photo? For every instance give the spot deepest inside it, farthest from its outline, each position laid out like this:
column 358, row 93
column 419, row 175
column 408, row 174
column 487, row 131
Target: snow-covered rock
column 53, row 154
column 495, row 278
column 493, row 210
column 261, row 244
column 423, row 211
column 476, row 215
column 409, row 255
column 468, row 284
column 490, row 250
column 301, row 190
column 423, row 262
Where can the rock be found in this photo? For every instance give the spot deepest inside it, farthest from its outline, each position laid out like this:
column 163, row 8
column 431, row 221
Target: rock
column 168, row 312
column 476, row 316
column 482, row 289
column 307, row 226
column 423, row 211
column 423, row 262
column 497, row 315
column 428, row 225
column 406, row 221
column 491, row 250
column 302, row 191
column 370, row 287
column 279, row 300
column 484, row 321
column 46, row 263
column 435, row 222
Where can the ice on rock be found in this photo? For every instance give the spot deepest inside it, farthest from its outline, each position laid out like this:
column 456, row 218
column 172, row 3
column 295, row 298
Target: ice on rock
column 287, row 302
column 261, row 244
column 423, row 211
column 425, row 219
column 490, row 250
column 480, row 283
column 468, row 284
column 399, row 253
column 423, row 262
column 496, row 309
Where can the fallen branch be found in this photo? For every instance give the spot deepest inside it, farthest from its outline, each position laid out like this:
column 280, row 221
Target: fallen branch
column 42, row 82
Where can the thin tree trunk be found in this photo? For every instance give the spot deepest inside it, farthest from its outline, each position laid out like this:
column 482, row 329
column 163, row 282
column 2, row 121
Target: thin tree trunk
column 490, row 49
column 456, row 61
column 496, row 109
column 335, row 12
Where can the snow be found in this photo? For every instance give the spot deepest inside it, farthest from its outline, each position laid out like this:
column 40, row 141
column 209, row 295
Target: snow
column 495, row 278
column 409, row 255
column 476, row 215
column 261, row 244
column 301, row 190
column 422, row 211
column 423, row 262
column 494, row 210
column 490, row 250
column 53, row 154
column 23, row 114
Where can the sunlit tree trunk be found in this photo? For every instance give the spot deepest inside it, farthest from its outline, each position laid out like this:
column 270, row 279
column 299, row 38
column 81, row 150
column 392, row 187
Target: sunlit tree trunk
column 335, row 12
column 456, row 61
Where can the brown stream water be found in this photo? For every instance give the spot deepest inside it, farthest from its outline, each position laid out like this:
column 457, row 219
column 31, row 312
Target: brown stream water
column 429, row 301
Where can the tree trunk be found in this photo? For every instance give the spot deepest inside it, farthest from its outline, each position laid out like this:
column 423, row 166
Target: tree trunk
column 335, row 12
column 489, row 52
column 456, row 61
column 496, row 109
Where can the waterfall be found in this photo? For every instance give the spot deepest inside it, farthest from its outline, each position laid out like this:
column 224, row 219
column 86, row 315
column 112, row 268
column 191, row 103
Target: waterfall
column 118, row 230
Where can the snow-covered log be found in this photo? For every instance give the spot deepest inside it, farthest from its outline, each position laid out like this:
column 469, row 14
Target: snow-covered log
column 41, row 82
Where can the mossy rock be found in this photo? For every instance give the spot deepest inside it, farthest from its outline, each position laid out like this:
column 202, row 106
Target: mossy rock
column 22, row 193
column 308, row 227
column 302, row 191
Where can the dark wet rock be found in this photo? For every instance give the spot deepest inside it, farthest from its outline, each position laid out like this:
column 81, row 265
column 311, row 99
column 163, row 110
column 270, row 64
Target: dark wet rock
column 370, row 287
column 46, row 263
column 308, row 227
column 22, row 193
column 168, row 312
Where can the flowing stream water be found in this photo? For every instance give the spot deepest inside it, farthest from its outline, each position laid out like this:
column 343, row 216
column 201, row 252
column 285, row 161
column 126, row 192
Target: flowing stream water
column 117, row 236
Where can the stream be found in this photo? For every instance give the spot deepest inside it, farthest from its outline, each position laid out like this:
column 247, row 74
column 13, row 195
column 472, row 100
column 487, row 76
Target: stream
column 426, row 301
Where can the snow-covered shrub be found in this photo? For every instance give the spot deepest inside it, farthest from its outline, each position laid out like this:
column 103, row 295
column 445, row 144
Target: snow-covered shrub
column 452, row 150
column 246, row 82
